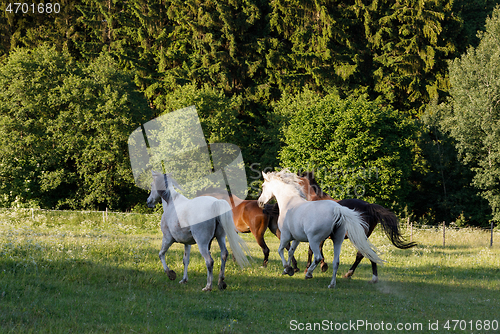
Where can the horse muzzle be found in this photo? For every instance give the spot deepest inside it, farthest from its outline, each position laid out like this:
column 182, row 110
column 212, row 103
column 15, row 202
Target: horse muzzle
column 150, row 204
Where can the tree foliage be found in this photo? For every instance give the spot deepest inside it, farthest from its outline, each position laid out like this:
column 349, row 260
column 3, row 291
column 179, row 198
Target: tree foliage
column 236, row 59
column 357, row 148
column 473, row 117
column 64, row 129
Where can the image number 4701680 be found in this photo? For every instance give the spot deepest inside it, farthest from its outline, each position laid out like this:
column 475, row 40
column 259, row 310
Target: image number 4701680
column 32, row 8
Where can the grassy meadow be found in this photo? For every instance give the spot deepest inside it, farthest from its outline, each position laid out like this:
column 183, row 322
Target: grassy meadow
column 71, row 273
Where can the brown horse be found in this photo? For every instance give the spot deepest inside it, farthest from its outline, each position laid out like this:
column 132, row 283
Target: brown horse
column 248, row 217
column 371, row 213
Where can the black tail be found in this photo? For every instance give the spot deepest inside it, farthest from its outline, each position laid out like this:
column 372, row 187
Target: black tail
column 390, row 225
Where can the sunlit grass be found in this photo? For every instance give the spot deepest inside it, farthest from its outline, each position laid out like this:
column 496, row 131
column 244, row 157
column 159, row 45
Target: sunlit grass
column 61, row 274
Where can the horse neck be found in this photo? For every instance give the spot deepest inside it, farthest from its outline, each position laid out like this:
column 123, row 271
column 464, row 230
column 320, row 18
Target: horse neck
column 174, row 196
column 287, row 197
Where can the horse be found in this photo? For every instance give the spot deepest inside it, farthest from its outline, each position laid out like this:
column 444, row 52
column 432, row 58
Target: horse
column 313, row 222
column 250, row 218
column 195, row 221
column 371, row 214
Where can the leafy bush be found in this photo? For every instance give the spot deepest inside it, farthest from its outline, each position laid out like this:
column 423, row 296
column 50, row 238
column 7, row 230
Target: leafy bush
column 356, row 147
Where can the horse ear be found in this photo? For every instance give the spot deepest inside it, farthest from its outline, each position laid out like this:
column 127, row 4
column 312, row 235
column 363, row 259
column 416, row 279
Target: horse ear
column 266, row 178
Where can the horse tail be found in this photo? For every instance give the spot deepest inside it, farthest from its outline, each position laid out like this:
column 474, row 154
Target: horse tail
column 390, row 225
column 237, row 244
column 355, row 228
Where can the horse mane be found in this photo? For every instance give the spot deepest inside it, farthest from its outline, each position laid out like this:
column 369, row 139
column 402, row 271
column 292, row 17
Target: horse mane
column 166, row 194
column 313, row 183
column 288, row 178
column 164, row 191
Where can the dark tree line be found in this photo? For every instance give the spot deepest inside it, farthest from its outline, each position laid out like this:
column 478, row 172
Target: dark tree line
column 243, row 57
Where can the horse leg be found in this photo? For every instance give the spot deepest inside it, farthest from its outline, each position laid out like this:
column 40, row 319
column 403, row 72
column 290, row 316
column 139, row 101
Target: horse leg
column 294, row 262
column 359, row 257
column 324, row 265
column 185, row 261
column 291, row 251
column 374, row 271
column 288, row 270
column 314, row 246
column 337, row 238
column 209, row 262
column 309, row 258
column 165, row 245
column 221, row 239
column 259, row 236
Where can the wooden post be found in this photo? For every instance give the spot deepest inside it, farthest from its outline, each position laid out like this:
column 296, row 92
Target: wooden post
column 444, row 237
column 491, row 240
column 33, row 214
column 411, row 231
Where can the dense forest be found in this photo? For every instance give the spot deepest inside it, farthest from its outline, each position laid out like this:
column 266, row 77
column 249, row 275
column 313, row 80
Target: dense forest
column 395, row 102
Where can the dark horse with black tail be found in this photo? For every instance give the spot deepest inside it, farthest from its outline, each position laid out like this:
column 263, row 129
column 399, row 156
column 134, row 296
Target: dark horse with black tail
column 371, row 213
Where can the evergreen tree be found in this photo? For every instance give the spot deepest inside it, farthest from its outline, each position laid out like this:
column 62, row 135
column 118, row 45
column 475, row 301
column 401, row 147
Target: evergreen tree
column 410, row 47
column 316, row 44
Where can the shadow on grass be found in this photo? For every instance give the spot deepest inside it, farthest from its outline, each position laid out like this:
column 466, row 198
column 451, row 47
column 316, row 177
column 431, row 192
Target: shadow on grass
column 89, row 296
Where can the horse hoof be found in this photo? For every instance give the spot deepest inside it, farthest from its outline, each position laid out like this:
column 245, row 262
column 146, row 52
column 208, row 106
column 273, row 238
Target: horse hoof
column 348, row 274
column 374, row 280
column 264, row 265
column 324, row 267
column 183, row 281
column 296, row 269
column 331, row 286
column 171, row 275
column 309, row 276
column 206, row 289
column 289, row 271
column 222, row 285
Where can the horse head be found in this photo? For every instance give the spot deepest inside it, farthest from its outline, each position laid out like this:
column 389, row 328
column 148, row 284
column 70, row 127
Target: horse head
column 160, row 188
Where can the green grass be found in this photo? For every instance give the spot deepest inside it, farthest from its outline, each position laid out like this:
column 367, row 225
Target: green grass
column 60, row 274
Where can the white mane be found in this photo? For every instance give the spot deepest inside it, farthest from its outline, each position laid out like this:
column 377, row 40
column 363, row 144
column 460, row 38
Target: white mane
column 288, row 178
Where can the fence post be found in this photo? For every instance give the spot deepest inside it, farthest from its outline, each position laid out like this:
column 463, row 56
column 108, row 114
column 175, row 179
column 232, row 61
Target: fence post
column 491, row 240
column 411, row 231
column 444, row 237
column 32, row 213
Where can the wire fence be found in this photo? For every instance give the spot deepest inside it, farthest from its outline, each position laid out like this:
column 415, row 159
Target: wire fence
column 409, row 226
column 124, row 220
column 105, row 213
column 107, row 216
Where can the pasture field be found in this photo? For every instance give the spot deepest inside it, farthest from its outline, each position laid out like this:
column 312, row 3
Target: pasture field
column 61, row 274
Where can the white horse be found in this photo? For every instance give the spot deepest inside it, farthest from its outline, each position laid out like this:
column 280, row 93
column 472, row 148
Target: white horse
column 195, row 221
column 300, row 220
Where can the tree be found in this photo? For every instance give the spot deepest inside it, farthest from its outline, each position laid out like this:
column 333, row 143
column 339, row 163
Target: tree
column 442, row 187
column 357, row 148
column 410, row 41
column 473, row 112
column 64, row 130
